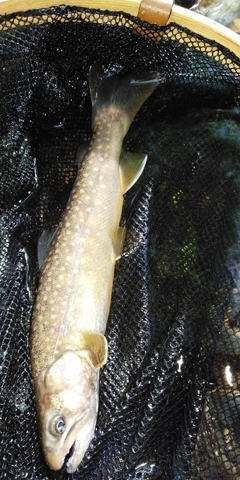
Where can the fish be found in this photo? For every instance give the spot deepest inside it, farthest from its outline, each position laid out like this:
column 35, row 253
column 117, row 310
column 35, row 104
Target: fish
column 69, row 320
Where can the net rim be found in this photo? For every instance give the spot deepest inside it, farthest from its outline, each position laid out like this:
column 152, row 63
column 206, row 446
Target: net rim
column 195, row 22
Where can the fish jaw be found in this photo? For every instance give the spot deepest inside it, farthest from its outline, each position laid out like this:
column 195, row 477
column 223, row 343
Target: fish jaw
column 67, row 392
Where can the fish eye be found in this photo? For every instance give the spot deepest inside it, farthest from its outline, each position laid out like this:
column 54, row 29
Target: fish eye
column 57, row 426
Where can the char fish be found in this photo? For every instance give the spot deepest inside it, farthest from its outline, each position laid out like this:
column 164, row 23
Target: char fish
column 68, row 345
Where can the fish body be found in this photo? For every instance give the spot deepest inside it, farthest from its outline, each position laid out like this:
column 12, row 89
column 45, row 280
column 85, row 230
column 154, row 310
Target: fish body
column 70, row 315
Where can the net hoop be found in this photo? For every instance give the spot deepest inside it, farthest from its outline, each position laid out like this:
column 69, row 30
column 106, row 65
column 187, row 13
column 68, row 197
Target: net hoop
column 185, row 18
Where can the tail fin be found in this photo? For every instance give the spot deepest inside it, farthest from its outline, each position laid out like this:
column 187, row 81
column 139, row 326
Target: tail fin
column 127, row 93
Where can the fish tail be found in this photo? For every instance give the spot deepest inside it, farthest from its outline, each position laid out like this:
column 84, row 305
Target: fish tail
column 127, row 93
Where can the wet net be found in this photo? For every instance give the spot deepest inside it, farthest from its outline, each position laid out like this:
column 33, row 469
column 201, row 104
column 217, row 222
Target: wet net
column 170, row 391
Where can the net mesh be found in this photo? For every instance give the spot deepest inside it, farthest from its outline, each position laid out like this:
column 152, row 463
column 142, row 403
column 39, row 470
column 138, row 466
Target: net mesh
column 170, row 391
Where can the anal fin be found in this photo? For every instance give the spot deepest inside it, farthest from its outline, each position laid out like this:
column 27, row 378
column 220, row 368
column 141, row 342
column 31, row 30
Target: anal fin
column 119, row 242
column 131, row 167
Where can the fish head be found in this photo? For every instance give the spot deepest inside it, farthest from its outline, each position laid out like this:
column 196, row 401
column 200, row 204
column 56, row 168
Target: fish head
column 66, row 397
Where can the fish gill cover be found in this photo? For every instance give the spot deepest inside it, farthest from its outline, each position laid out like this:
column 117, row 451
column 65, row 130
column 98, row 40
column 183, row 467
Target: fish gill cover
column 170, row 391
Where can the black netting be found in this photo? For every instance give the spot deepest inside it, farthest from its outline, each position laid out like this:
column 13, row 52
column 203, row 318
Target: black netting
column 170, row 391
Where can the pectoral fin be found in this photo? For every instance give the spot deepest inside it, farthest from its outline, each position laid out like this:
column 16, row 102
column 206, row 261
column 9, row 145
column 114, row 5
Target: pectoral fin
column 96, row 346
column 131, row 167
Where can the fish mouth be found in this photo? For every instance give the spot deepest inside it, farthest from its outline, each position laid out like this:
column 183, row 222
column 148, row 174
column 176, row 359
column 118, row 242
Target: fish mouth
column 82, row 435
column 69, row 459
column 73, row 434
column 70, row 455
